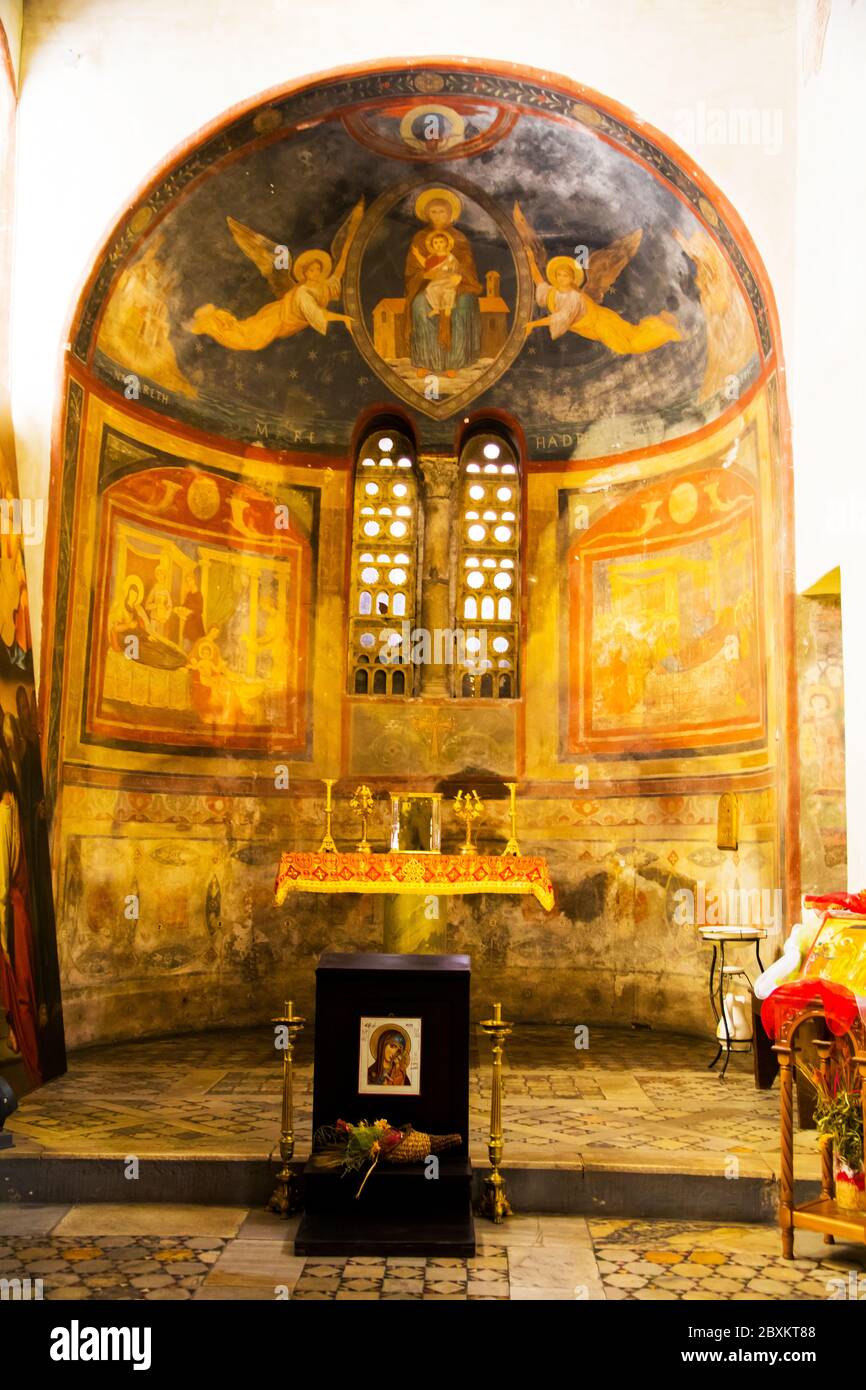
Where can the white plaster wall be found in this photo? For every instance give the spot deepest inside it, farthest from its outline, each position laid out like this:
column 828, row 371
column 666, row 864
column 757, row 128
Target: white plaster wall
column 828, row 362
column 110, row 86
column 12, row 17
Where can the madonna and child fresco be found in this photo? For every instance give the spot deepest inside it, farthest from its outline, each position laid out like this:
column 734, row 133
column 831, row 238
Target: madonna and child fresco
column 453, row 329
column 443, row 317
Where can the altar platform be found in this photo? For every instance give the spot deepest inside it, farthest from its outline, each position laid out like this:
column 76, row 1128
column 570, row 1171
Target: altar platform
column 633, row 1126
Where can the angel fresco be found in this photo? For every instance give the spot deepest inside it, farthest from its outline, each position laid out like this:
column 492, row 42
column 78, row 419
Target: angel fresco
column 304, row 289
column 572, row 295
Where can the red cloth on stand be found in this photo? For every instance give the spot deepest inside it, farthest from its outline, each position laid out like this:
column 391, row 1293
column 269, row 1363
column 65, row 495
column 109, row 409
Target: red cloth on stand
column 839, row 1005
column 848, row 902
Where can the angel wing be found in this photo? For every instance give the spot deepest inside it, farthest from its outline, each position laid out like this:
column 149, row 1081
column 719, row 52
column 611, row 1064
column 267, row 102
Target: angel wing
column 342, row 242
column 604, row 266
column 607, row 265
column 263, row 252
column 530, row 239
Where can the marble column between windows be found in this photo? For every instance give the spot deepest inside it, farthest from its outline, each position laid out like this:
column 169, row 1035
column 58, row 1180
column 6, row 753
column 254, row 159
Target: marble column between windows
column 439, row 474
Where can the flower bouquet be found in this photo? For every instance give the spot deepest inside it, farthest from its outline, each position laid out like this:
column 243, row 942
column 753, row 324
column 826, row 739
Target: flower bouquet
column 839, row 1117
column 353, row 1147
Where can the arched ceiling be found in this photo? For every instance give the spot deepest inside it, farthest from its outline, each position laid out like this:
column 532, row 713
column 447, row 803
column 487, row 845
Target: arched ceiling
column 555, row 206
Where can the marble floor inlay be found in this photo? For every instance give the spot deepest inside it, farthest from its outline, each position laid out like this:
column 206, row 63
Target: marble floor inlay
column 175, row 1253
column 632, row 1098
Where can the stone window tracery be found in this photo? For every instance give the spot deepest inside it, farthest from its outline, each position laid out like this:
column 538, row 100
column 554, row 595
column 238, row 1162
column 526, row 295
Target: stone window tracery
column 488, row 567
column 384, row 556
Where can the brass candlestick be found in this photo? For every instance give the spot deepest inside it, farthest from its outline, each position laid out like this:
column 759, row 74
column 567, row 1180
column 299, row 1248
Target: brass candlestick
column 468, row 807
column 512, row 847
column 362, row 802
column 327, row 846
column 285, row 1199
column 493, row 1202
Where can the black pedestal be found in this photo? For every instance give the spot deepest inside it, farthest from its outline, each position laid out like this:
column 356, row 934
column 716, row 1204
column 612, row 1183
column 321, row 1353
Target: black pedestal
column 400, row 1212
column 421, row 1208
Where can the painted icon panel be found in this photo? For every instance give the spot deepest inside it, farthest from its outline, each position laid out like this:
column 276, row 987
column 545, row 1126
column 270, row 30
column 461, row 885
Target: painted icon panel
column 389, row 1055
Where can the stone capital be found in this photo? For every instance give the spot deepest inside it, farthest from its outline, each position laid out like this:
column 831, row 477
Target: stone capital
column 439, row 473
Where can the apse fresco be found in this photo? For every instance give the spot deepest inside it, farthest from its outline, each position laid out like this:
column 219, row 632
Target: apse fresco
column 435, row 250
column 440, row 252
column 201, row 618
column 31, row 1022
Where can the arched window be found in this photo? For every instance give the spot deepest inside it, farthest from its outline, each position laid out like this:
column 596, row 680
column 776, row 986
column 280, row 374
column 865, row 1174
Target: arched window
column 489, row 571
column 384, row 546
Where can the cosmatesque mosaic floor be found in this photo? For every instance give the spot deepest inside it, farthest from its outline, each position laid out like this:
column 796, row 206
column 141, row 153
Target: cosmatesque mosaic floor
column 634, row 1098
column 179, row 1253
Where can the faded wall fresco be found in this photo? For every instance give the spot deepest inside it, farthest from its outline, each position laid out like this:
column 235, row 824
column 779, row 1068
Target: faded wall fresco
column 209, row 948
column 200, row 628
column 323, row 258
column 823, row 827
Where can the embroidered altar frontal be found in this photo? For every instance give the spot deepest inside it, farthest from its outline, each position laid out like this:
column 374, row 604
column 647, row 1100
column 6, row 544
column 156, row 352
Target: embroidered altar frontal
column 445, row 874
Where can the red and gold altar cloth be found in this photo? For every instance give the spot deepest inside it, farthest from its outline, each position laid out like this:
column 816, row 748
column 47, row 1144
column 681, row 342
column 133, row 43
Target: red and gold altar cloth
column 446, row 874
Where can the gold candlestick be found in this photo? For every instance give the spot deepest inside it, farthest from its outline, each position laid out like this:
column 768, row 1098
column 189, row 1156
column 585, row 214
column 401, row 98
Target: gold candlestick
column 327, row 846
column 468, row 807
column 512, row 847
column 362, row 802
column 285, row 1198
column 493, row 1202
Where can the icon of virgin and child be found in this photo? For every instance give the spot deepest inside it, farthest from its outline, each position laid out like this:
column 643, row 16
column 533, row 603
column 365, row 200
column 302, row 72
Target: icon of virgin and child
column 390, row 1066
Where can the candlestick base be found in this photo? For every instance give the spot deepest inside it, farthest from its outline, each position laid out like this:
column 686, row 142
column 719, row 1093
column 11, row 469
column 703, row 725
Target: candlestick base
column 493, row 1203
column 328, row 845
column 512, row 847
column 285, row 1199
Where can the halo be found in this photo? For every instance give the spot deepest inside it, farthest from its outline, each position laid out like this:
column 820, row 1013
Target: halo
column 133, row 581
column 302, row 261
column 373, row 1043
column 437, row 195
column 556, row 261
column 454, row 119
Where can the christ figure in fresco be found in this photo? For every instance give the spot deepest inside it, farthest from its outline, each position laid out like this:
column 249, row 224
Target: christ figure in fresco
column 442, row 342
